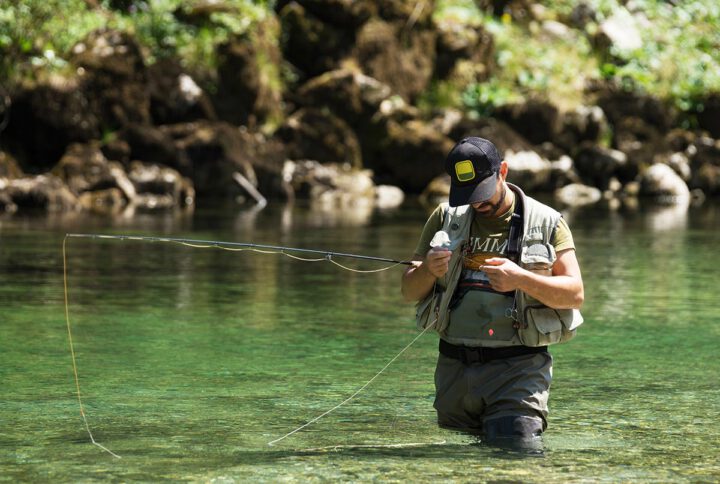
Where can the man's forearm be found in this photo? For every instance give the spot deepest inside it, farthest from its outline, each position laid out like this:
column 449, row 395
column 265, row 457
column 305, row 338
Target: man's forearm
column 417, row 281
column 558, row 292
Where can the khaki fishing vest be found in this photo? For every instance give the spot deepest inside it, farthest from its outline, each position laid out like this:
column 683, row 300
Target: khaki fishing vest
column 537, row 324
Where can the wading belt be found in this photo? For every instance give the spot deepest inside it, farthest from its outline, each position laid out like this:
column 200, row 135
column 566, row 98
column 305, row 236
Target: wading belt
column 478, row 354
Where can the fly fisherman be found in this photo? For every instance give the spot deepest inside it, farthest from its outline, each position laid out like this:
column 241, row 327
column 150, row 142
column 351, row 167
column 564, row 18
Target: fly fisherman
column 495, row 274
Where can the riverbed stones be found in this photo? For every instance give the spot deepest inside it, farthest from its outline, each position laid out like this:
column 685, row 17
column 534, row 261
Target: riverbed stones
column 344, row 81
column 43, row 192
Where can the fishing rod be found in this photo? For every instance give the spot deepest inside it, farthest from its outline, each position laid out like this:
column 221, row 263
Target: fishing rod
column 222, row 244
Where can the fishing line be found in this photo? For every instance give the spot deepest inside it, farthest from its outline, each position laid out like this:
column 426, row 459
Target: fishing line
column 236, row 247
column 72, row 353
column 273, row 442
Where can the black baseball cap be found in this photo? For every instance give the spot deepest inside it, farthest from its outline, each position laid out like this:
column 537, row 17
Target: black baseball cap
column 473, row 165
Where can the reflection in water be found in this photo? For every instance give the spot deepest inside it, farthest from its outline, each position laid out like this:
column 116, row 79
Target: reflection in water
column 667, row 218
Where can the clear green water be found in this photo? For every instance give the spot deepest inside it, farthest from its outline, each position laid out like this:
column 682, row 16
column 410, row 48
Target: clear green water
column 192, row 360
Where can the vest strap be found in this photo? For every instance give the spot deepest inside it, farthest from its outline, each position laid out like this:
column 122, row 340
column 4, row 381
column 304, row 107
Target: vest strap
column 516, row 230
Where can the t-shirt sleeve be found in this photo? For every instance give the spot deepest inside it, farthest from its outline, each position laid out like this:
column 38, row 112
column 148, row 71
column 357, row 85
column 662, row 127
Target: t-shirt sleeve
column 433, row 224
column 563, row 238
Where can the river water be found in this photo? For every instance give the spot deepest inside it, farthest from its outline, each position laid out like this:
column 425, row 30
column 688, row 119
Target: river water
column 191, row 360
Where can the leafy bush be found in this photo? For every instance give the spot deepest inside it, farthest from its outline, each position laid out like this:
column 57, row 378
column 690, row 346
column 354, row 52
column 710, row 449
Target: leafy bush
column 679, row 59
column 36, row 35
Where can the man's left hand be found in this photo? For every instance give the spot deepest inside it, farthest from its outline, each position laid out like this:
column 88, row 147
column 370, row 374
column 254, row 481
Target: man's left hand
column 503, row 273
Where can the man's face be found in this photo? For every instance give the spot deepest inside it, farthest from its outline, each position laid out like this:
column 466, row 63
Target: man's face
column 492, row 207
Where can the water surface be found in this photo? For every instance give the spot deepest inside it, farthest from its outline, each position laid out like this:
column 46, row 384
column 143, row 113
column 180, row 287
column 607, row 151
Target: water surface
column 191, row 360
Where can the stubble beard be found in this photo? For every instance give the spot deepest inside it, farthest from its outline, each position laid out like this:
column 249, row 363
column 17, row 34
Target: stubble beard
column 494, row 206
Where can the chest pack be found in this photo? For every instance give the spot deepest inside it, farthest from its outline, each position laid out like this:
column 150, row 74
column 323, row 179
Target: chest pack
column 529, row 245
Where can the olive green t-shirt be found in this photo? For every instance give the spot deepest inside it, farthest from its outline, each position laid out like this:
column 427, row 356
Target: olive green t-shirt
column 478, row 313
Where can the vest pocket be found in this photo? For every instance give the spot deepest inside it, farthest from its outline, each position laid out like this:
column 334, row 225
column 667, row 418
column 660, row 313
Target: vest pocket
column 543, row 326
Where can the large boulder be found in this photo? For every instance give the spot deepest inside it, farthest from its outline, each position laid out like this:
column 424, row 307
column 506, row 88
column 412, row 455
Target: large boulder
column 249, row 85
column 115, row 77
column 597, row 165
column 348, row 14
column 310, row 44
column 9, row 168
column 43, row 192
column 705, row 165
column 640, row 140
column 619, row 34
column 662, row 183
column 151, row 144
column 576, row 195
column 45, row 119
column 175, row 97
column 348, row 93
column 160, row 187
column 400, row 57
column 528, row 170
column 462, row 49
column 618, row 103
column 411, row 154
column 708, row 115
column 363, row 102
column 537, row 121
column 503, row 136
column 579, row 125
column 84, row 168
column 216, row 150
column 318, row 135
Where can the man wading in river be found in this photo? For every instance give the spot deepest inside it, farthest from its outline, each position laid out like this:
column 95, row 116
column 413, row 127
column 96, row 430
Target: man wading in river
column 495, row 274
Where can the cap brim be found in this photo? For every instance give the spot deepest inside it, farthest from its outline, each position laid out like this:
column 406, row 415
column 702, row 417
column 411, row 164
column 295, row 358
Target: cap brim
column 473, row 193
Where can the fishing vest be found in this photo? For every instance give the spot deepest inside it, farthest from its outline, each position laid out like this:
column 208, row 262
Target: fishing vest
column 534, row 323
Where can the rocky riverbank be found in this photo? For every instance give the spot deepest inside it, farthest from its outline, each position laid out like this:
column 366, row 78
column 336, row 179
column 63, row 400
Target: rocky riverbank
column 117, row 132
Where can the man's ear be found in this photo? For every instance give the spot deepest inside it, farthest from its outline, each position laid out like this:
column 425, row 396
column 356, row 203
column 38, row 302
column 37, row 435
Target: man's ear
column 503, row 169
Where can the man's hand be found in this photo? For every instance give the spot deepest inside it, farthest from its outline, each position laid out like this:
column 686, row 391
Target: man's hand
column 419, row 279
column 561, row 290
column 437, row 260
column 503, row 273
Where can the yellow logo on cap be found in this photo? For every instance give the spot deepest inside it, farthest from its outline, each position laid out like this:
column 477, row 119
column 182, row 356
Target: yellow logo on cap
column 464, row 170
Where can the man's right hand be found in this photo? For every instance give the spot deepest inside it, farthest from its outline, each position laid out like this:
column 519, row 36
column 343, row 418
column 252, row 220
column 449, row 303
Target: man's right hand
column 437, row 260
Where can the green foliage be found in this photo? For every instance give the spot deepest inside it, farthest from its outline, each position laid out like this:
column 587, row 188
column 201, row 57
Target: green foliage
column 38, row 34
column 679, row 59
column 482, row 98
